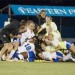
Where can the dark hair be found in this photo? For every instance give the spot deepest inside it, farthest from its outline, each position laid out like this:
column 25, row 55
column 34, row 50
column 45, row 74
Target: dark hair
column 23, row 22
column 15, row 32
column 42, row 11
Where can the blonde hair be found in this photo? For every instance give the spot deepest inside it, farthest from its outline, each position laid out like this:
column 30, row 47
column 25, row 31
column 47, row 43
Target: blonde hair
column 29, row 22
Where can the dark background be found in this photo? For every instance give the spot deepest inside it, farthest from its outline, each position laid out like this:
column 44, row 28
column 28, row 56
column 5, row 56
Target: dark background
column 66, row 25
column 3, row 3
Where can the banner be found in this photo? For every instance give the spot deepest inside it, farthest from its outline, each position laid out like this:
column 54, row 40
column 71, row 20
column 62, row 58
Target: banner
column 50, row 10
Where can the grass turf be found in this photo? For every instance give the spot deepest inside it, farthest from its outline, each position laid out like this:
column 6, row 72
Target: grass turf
column 25, row 68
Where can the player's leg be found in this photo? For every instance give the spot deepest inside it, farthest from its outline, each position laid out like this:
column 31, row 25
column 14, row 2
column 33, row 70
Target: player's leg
column 67, row 57
column 5, row 40
column 72, row 48
column 73, row 56
column 25, row 55
column 10, row 47
column 20, row 56
column 5, row 47
column 16, row 44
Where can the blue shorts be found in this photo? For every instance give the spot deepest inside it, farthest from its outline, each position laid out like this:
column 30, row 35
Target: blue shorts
column 68, row 45
column 31, row 56
column 59, row 55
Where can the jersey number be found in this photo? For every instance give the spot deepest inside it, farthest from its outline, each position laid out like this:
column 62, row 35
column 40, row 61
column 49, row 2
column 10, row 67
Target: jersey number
column 28, row 47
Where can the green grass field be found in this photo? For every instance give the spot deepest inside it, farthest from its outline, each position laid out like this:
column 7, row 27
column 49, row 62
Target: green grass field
column 36, row 68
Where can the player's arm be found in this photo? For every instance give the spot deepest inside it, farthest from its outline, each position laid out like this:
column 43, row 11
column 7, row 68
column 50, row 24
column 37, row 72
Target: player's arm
column 58, row 48
column 39, row 30
column 16, row 36
column 52, row 51
column 22, row 30
column 42, row 27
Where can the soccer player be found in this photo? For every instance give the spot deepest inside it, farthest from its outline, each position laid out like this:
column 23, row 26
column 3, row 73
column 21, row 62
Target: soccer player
column 50, row 28
column 11, row 31
column 16, row 42
column 27, row 29
column 41, row 20
column 8, row 31
column 29, row 32
column 26, row 51
column 48, row 24
column 61, row 44
column 41, row 17
column 49, row 54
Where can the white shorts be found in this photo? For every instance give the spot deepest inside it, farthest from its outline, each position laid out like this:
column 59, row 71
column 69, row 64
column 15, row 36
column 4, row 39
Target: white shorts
column 49, row 56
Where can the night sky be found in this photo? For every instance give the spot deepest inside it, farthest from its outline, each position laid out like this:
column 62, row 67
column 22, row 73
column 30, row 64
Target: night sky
column 4, row 3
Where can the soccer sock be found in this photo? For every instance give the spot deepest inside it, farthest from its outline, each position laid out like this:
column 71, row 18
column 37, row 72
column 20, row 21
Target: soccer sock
column 21, row 57
column 67, row 57
column 11, row 54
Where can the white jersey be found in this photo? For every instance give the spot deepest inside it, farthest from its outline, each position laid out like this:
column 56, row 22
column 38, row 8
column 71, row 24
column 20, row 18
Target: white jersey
column 16, row 40
column 28, row 34
column 23, row 38
column 25, row 35
column 53, row 26
column 26, row 47
column 55, row 42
